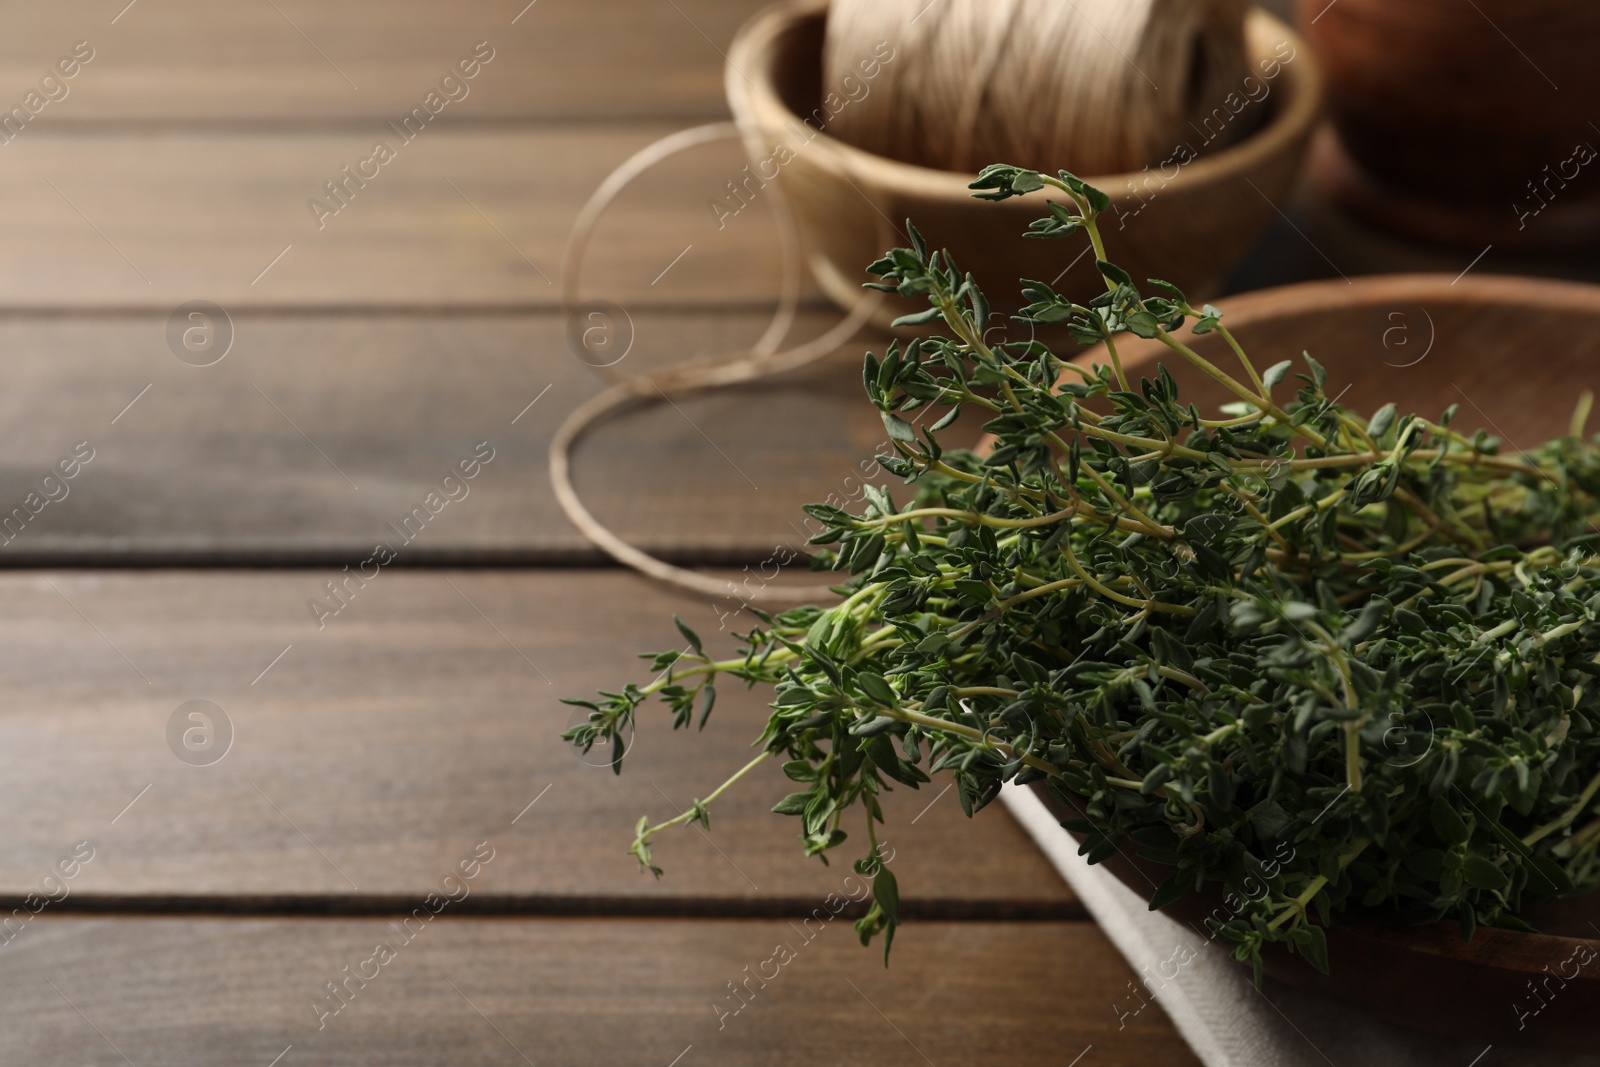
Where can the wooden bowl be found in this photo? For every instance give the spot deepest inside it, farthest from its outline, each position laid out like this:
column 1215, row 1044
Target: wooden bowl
column 1514, row 353
column 1189, row 223
column 1458, row 125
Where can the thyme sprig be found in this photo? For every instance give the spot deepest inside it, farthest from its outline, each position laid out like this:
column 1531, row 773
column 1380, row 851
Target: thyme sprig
column 1366, row 647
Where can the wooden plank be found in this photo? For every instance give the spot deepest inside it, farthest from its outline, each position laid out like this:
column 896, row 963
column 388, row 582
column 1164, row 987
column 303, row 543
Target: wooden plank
column 568, row 992
column 191, row 62
column 420, row 719
column 223, row 463
column 460, row 217
column 301, row 62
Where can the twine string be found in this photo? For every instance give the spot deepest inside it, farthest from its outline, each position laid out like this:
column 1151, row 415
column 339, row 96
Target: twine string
column 1091, row 86
column 763, row 359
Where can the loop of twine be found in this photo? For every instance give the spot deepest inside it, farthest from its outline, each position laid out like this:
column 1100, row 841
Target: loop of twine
column 761, row 360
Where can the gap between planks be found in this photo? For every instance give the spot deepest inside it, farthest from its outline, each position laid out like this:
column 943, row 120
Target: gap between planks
column 482, row 905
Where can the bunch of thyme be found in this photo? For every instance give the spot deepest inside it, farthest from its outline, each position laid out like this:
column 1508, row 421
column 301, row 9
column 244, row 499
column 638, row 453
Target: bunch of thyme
column 1371, row 640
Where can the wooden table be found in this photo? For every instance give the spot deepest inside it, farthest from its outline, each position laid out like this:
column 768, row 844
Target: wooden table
column 357, row 758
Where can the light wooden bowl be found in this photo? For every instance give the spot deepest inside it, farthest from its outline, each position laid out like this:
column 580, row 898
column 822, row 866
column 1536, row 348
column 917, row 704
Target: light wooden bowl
column 1190, row 227
column 1514, row 353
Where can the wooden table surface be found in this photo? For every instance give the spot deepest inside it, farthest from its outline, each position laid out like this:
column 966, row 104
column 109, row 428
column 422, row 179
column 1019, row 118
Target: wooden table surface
column 372, row 751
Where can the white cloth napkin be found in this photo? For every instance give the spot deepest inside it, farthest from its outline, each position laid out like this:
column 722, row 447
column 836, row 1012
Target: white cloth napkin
column 1213, row 1002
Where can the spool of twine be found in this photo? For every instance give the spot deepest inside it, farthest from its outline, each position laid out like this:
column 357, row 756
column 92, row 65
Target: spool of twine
column 1091, row 86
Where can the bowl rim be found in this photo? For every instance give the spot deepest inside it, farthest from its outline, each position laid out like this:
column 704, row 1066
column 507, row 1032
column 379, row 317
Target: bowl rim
column 754, row 100
column 1335, row 294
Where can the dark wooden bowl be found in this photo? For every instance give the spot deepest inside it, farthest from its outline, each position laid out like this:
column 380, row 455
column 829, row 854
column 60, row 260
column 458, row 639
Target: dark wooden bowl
column 1514, row 353
column 1458, row 122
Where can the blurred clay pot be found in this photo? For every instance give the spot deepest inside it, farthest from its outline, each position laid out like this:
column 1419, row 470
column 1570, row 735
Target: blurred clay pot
column 1463, row 121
